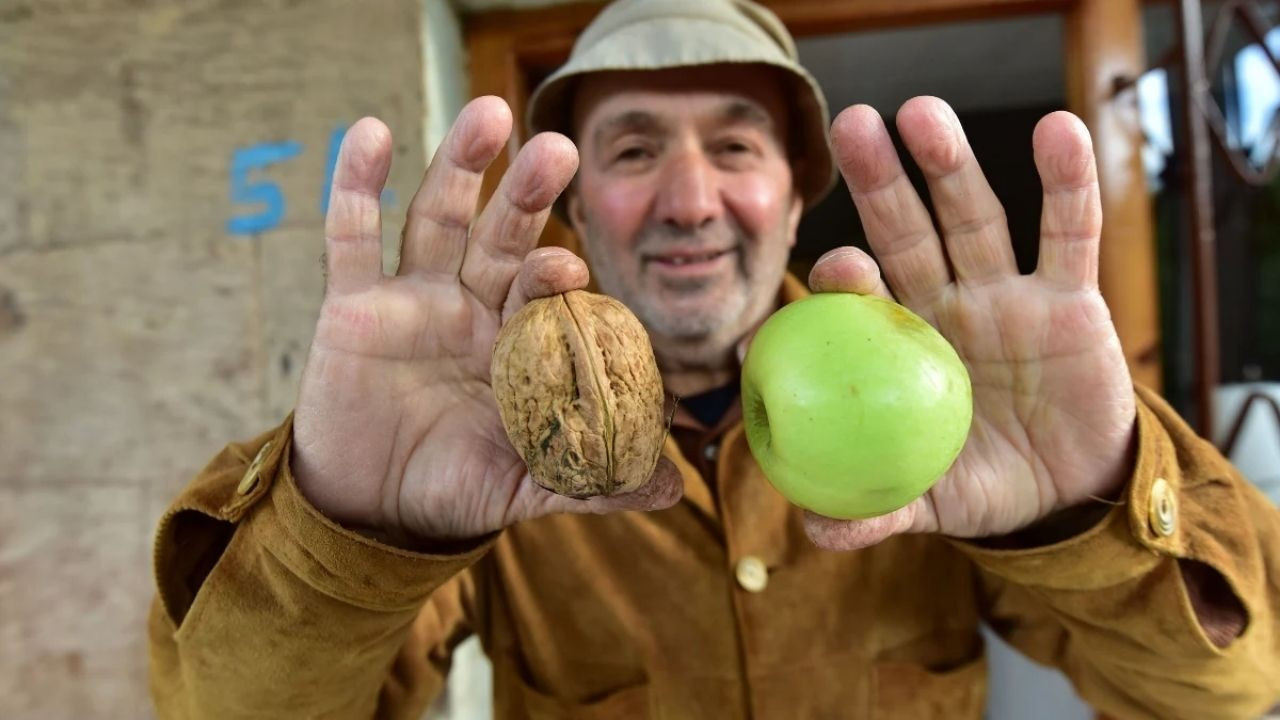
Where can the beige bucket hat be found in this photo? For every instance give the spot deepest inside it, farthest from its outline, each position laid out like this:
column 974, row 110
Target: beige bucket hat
column 661, row 34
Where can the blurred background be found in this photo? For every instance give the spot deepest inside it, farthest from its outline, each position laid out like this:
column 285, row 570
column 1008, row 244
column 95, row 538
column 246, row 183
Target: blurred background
column 163, row 180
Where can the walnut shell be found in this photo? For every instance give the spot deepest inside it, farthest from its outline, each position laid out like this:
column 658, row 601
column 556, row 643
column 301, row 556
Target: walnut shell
column 580, row 395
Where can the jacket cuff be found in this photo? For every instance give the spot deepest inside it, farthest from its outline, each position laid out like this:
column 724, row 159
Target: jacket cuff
column 1130, row 540
column 259, row 502
column 352, row 567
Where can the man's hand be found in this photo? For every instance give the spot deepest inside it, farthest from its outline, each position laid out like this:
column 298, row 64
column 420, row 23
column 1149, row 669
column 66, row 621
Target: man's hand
column 1053, row 401
column 396, row 429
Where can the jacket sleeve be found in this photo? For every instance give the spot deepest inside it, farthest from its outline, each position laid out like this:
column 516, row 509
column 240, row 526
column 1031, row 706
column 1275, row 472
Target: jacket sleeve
column 1111, row 607
column 265, row 608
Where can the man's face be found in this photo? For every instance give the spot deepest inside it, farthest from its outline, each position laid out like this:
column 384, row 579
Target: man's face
column 684, row 197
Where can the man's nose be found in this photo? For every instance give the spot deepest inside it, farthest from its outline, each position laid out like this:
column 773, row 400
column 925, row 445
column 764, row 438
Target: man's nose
column 690, row 194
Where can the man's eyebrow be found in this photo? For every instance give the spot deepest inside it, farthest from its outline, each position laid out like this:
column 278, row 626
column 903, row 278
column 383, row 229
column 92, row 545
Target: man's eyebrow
column 637, row 121
column 745, row 113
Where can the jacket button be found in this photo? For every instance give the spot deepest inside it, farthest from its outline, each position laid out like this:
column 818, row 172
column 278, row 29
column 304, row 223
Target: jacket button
column 710, row 450
column 1163, row 508
column 752, row 574
column 254, row 473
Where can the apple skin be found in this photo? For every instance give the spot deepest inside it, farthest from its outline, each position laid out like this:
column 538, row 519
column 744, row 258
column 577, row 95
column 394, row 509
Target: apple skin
column 853, row 405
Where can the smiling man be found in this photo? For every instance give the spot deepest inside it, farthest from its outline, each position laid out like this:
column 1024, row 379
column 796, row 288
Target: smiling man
column 329, row 567
column 686, row 203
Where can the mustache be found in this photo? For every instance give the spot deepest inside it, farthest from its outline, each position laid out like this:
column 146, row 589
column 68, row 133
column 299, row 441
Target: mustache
column 658, row 238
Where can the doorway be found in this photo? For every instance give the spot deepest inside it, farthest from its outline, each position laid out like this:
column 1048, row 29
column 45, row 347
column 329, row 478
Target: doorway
column 1000, row 75
column 1099, row 46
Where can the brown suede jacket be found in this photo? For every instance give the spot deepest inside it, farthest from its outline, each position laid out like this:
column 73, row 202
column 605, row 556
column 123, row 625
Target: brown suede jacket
column 719, row 607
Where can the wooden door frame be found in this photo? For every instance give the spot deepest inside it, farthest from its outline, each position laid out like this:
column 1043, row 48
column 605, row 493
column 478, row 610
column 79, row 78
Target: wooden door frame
column 511, row 49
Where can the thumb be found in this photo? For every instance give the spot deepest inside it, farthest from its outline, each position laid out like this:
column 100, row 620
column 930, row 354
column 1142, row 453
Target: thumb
column 663, row 489
column 844, row 269
column 832, row 534
column 545, row 272
column 848, row 269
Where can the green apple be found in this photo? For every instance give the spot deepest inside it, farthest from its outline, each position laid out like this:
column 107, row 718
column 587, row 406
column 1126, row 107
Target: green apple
column 854, row 406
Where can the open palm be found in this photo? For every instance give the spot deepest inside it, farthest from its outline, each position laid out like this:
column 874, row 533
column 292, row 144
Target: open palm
column 1053, row 399
column 396, row 428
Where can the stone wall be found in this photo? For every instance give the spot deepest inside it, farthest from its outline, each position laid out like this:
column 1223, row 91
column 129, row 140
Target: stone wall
column 150, row 310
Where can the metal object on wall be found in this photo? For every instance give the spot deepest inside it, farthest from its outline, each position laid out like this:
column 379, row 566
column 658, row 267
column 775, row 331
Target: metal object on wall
column 1202, row 120
column 1256, row 26
column 1237, row 424
column 1198, row 190
column 1249, row 435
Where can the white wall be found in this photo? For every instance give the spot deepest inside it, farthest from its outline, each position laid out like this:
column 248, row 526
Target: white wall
column 445, row 80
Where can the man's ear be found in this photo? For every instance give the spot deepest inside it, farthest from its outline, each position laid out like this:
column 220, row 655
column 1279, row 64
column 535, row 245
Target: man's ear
column 574, row 209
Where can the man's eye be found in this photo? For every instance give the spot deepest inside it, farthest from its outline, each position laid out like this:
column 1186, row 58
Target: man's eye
column 635, row 152
column 736, row 147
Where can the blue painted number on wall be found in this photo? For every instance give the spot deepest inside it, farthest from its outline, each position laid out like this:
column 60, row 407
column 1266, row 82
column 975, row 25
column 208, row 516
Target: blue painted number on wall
column 268, row 195
column 243, row 160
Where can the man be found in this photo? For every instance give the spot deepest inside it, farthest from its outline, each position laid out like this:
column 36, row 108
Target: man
column 329, row 567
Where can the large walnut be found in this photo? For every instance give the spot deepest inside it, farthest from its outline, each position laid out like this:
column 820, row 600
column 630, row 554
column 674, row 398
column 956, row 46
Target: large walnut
column 580, row 394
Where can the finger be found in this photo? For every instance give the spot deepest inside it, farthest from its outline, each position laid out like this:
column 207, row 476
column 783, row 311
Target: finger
column 435, row 231
column 844, row 269
column 832, row 534
column 896, row 222
column 973, row 222
column 662, row 491
column 512, row 221
column 353, row 224
column 546, row 271
column 1071, row 222
column 848, row 269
